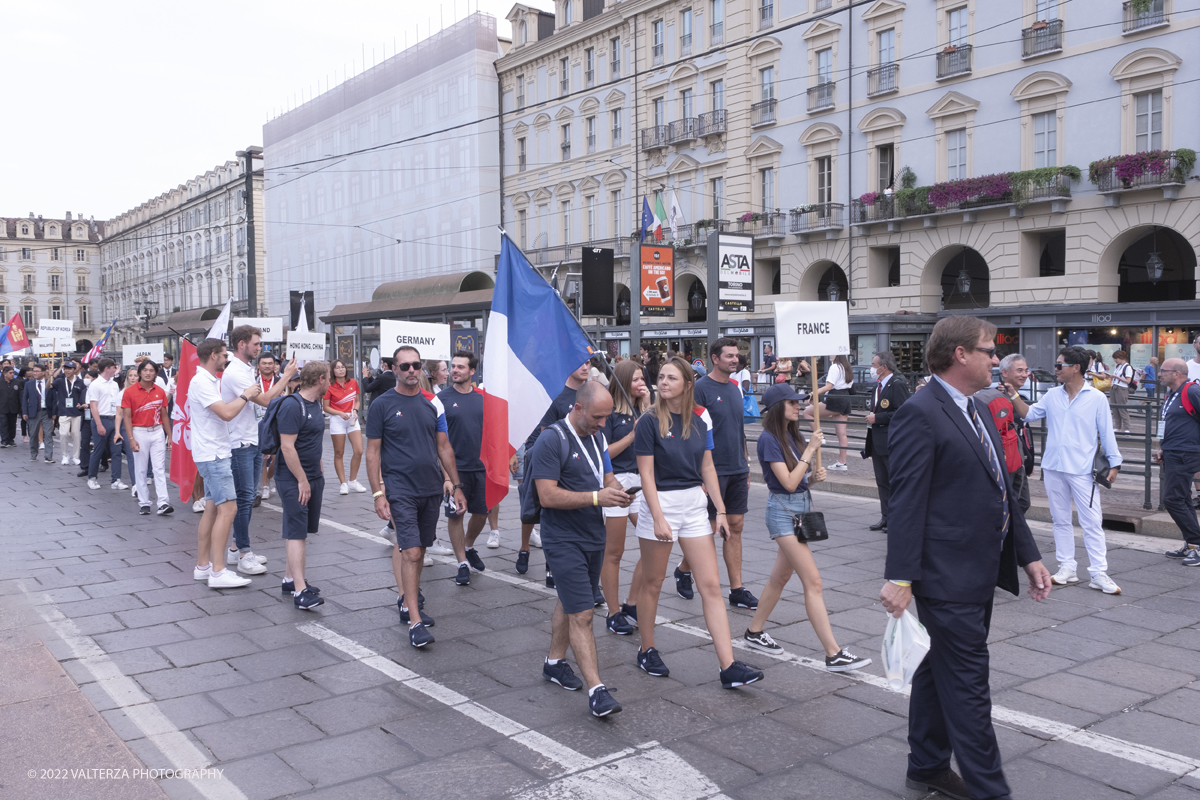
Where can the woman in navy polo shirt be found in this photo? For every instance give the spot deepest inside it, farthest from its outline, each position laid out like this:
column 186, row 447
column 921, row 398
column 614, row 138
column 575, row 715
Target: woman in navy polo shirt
column 673, row 444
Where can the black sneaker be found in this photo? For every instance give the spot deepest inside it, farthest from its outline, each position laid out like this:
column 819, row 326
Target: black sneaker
column 144, row 510
column 81, row 474
column 426, row 620
column 549, row 580
column 761, row 640
column 741, row 598
column 463, row 578
column 474, row 560
column 165, row 509
column 562, row 674
column 739, row 674
column 683, row 584
column 523, row 561
column 619, row 624
column 418, row 636
column 1180, row 553
column 307, row 599
column 631, row 612
column 601, row 703
column 651, row 663
column 49, row 460
column 845, row 661
column 420, row 600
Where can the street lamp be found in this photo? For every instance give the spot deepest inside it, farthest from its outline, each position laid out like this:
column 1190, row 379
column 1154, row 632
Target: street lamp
column 832, row 290
column 1154, row 264
column 963, row 281
column 145, row 310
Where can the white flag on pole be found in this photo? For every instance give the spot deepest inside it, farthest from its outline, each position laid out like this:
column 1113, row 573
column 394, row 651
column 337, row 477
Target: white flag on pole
column 675, row 215
column 221, row 326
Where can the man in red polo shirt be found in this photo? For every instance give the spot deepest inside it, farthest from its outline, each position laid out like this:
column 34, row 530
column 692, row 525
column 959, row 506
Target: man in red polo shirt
column 148, row 430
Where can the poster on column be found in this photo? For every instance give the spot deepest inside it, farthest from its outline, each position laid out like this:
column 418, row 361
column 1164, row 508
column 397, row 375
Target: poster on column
column 271, row 327
column 735, row 270
column 305, row 346
column 808, row 329
column 432, row 339
column 658, row 281
column 130, row 353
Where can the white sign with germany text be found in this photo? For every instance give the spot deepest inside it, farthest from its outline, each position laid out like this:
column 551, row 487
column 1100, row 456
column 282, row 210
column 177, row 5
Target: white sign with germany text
column 432, row 339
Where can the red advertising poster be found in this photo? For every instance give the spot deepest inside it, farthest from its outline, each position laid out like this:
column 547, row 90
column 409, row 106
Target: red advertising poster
column 658, row 281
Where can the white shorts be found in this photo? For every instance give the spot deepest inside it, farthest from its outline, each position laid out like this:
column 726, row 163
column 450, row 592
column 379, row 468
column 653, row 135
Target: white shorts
column 686, row 511
column 627, row 479
column 337, row 425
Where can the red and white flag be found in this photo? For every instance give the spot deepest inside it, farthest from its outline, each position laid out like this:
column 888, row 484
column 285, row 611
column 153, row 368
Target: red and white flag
column 183, row 468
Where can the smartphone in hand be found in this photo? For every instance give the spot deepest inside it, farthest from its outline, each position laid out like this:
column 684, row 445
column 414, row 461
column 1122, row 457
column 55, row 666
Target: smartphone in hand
column 633, row 490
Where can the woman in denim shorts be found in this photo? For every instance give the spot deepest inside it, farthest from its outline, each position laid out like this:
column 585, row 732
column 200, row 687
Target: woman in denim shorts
column 785, row 468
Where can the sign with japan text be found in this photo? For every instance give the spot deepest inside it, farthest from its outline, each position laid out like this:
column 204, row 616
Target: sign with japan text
column 735, row 271
column 658, row 281
column 271, row 327
column 130, row 353
column 305, row 346
column 432, row 339
column 807, row 329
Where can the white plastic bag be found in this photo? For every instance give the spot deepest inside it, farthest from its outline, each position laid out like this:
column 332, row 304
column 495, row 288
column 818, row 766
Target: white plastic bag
column 905, row 643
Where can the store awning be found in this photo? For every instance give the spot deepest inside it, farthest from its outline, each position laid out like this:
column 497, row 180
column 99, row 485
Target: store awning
column 464, row 291
column 195, row 320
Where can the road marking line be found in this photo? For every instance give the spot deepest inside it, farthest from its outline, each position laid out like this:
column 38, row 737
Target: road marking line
column 129, row 698
column 632, row 773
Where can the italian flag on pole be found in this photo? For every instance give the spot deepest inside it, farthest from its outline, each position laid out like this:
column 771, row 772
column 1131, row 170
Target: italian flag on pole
column 660, row 216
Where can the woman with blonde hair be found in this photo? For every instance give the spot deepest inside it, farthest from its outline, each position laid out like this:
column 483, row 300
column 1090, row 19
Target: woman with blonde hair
column 673, row 443
column 631, row 399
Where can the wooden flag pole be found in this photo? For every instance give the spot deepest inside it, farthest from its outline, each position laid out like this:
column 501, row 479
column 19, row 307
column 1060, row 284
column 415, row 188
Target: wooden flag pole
column 816, row 411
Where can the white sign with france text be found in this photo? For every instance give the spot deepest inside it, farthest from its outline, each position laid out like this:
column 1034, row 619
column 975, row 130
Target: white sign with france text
column 432, row 339
column 61, row 328
column 305, row 346
column 130, row 353
column 271, row 327
column 807, row 329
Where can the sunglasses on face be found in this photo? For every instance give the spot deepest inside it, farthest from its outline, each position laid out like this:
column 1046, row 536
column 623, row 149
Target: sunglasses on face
column 1059, row 365
column 405, row 366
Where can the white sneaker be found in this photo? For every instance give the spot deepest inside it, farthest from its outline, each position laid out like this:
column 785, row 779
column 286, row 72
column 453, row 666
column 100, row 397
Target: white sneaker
column 93, row 483
column 250, row 565
column 133, row 492
column 439, row 549
column 75, row 461
column 345, row 489
column 201, row 574
column 493, row 540
column 1065, row 576
column 1104, row 583
column 231, row 556
column 535, row 538
column 198, row 506
column 119, row 485
column 255, row 556
column 358, row 487
column 41, row 445
column 266, row 492
column 227, row 579
column 428, row 560
column 838, row 466
column 388, row 534
column 66, row 460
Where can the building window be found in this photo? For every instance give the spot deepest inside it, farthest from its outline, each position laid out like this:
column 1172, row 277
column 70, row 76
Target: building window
column 566, row 142
column 524, row 32
column 616, row 127
column 956, row 154
column 54, row 254
column 26, row 254
column 81, row 284
column 589, row 60
column 84, row 321
column 657, row 41
column 957, row 19
column 566, row 222
column 591, row 134
column 1045, row 140
column 80, row 255
column 825, row 65
column 1048, row 9
column 616, row 200
column 27, row 283
column 825, row 179
column 718, row 95
column 660, row 111
column 56, row 283
column 886, row 162
column 687, row 107
column 568, row 12
column 887, row 46
column 685, row 35
column 520, row 92
column 522, row 154
column 56, row 312
column 27, row 316
column 716, row 188
column 614, row 59
column 1148, row 121
column 766, row 83
column 523, row 227
column 767, row 186
column 766, row 13
column 564, row 82
column 717, row 30
column 590, row 203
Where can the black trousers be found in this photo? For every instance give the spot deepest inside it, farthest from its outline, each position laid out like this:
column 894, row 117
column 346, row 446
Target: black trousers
column 950, row 709
column 8, row 428
column 85, row 442
column 1178, row 469
column 1020, row 483
column 883, row 482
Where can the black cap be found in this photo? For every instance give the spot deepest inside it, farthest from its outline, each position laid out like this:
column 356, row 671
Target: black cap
column 778, row 393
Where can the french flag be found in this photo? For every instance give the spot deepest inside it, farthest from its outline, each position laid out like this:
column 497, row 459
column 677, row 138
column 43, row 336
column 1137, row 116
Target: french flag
column 533, row 345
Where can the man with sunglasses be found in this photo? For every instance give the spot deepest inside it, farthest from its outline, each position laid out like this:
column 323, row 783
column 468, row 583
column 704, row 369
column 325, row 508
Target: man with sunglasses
column 1179, row 453
column 1076, row 415
column 406, row 440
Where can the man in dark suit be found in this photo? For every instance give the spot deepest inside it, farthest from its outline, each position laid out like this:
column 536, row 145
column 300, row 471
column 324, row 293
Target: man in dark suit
column 890, row 393
column 956, row 534
column 40, row 409
column 10, row 406
column 70, row 395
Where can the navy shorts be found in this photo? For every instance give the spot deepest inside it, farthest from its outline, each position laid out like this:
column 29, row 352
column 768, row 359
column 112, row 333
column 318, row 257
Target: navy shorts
column 735, row 490
column 530, row 515
column 415, row 520
column 576, row 569
column 474, row 488
column 298, row 520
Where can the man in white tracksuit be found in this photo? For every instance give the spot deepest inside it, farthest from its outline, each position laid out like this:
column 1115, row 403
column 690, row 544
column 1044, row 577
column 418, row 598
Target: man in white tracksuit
column 1077, row 418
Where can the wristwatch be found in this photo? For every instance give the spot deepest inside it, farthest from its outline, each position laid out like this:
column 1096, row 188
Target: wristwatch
column 243, row 397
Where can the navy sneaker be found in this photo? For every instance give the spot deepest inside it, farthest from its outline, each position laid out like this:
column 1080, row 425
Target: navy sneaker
column 651, row 663
column 420, row 599
column 426, row 620
column 602, row 703
column 1192, row 559
column 683, row 584
column 523, row 561
column 1181, row 552
column 739, row 674
column 463, row 578
column 741, row 598
column 549, row 580
column 289, row 587
column 418, row 636
column 619, row 625
column 308, row 599
column 630, row 612
column 562, row 674
column 474, row 560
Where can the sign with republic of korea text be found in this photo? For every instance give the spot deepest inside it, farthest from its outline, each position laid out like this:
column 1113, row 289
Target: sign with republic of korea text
column 130, row 353
column 807, row 329
column 271, row 327
column 305, row 346
column 431, row 339
column 57, row 328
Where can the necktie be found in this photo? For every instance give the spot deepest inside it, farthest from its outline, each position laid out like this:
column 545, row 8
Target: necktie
column 41, row 394
column 997, row 474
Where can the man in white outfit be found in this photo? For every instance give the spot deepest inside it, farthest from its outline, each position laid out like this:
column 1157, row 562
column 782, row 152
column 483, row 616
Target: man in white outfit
column 1077, row 416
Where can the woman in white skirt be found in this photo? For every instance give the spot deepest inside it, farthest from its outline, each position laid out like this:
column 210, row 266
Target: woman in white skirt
column 341, row 404
column 673, row 444
column 627, row 385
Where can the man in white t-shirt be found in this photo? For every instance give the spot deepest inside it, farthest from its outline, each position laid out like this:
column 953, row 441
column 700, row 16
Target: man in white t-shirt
column 102, row 398
column 209, row 417
column 246, row 344
column 1193, row 364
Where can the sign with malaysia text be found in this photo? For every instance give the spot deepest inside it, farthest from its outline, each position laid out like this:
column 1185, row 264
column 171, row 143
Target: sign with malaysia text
column 130, row 353
column 806, row 329
column 432, row 339
column 658, row 281
column 271, row 327
column 734, row 253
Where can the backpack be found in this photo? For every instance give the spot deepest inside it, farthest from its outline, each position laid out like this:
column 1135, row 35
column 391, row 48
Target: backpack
column 1187, row 401
column 268, row 426
column 1002, row 414
column 531, row 506
column 1131, row 375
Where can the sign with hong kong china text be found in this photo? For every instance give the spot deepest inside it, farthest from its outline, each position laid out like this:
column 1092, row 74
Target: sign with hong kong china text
column 305, row 346
column 806, row 329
